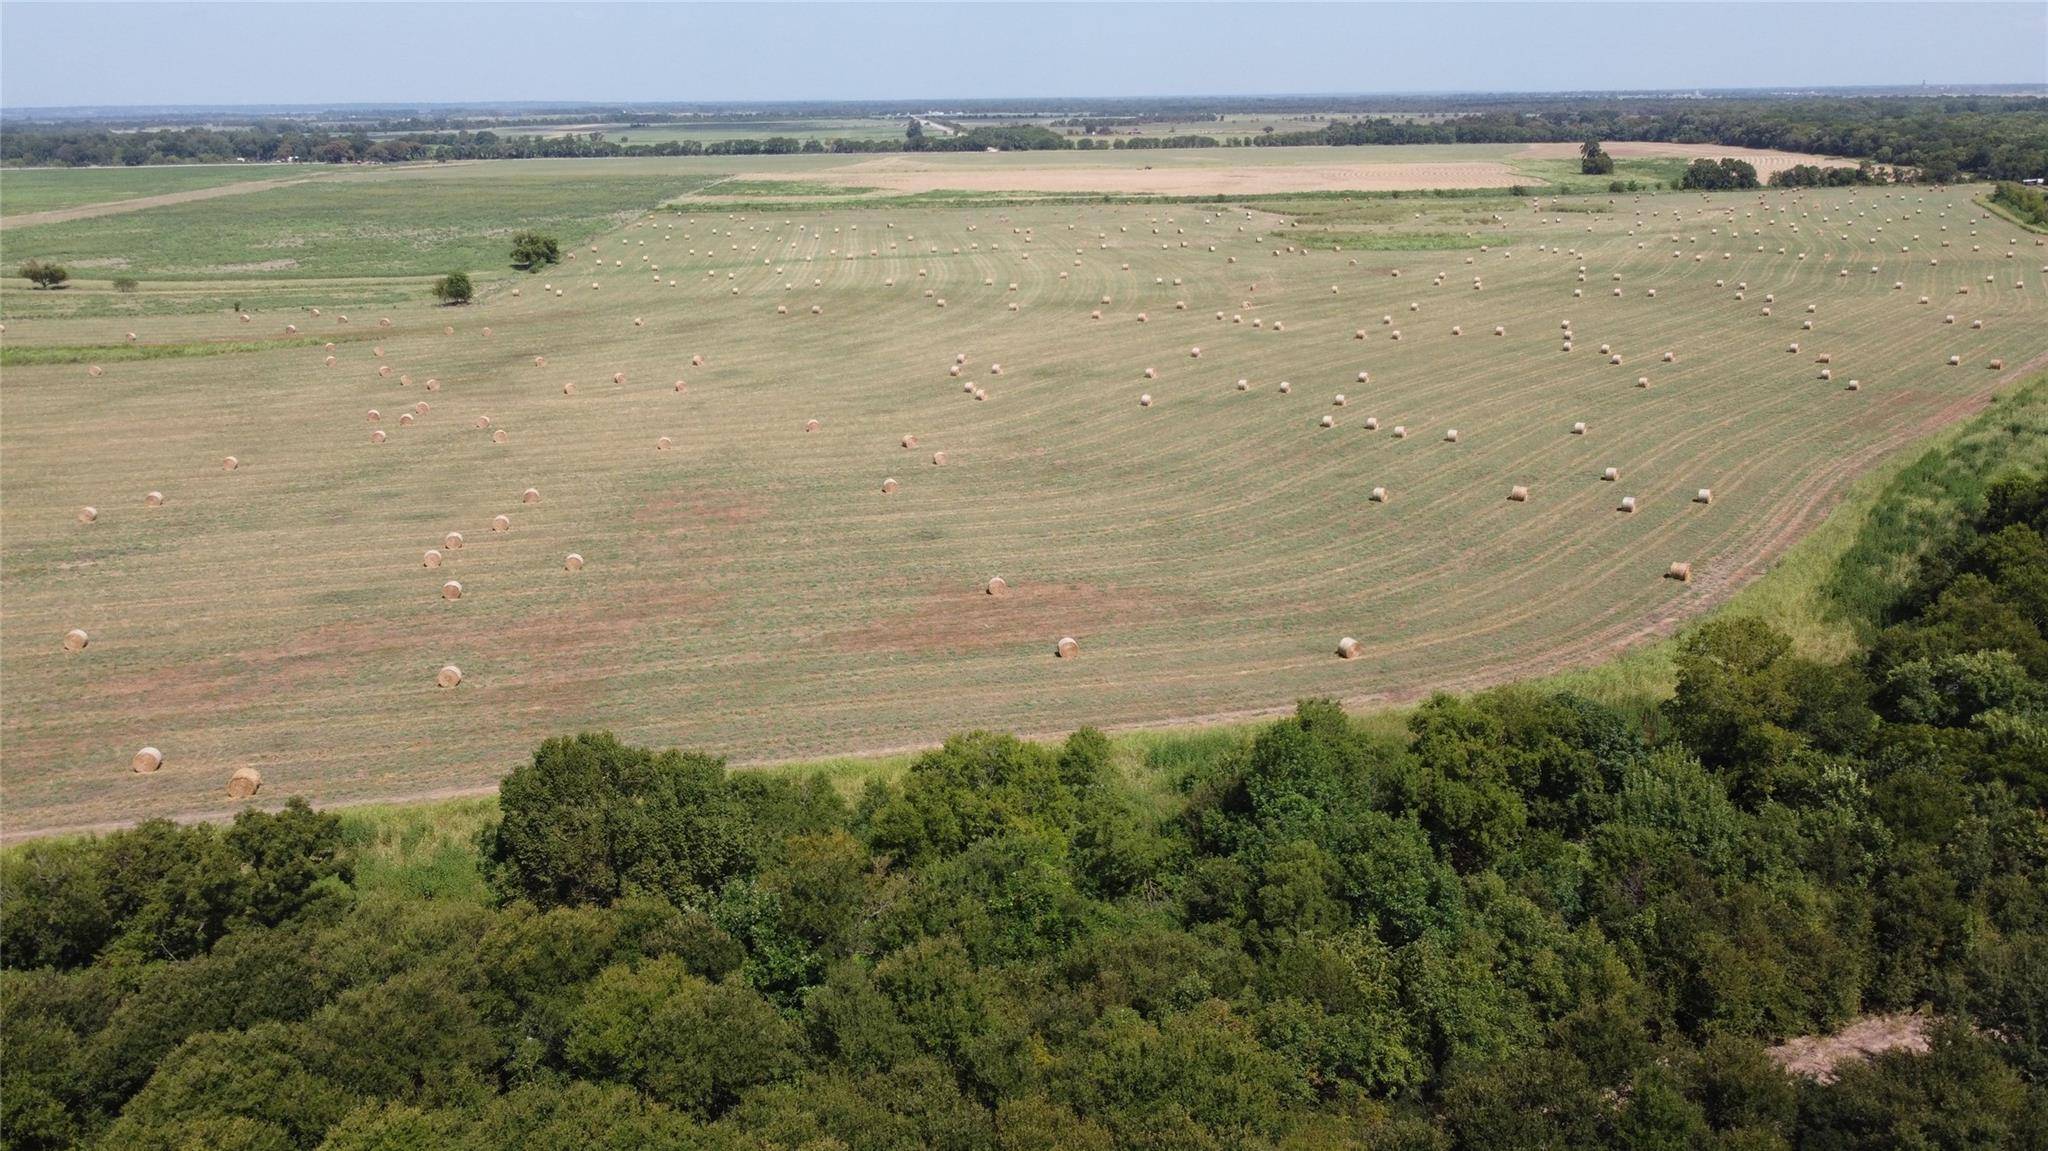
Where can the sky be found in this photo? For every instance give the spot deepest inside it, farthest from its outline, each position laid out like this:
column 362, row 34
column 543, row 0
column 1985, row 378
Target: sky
column 73, row 53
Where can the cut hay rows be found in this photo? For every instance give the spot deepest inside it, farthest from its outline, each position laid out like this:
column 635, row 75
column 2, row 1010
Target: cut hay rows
column 1209, row 546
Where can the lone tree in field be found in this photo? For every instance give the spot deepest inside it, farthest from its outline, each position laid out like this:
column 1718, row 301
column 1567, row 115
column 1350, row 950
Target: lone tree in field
column 43, row 274
column 1594, row 160
column 453, row 288
column 533, row 251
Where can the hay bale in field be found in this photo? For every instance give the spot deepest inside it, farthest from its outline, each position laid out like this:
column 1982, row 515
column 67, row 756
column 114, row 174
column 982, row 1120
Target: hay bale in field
column 889, row 486
column 1145, row 400
column 997, row 587
column 1854, row 386
column 910, row 441
column 329, row 361
column 153, row 500
column 432, row 559
column 1347, row 648
column 448, row 676
column 1378, row 496
column 1954, row 360
column 1682, row 572
column 938, row 459
column 1579, row 429
column 1500, row 330
column 76, row 639
column 682, row 386
column 1328, row 421
column 810, row 425
column 432, row 384
column 572, row 562
column 1827, row 373
column 1340, row 400
column 1518, row 494
column 1705, row 496
column 1285, row 387
column 420, row 409
column 501, row 523
column 1670, row 357
column 1151, row 374
column 1996, row 365
column 229, row 464
column 500, row 436
column 481, row 422
column 1451, row 436
column 1066, row 648
column 145, row 761
column 452, row 541
column 1365, row 377
column 95, row 371
column 530, row 496
column 1400, row 432
column 663, row 444
column 451, row 590
column 569, row 389
column 88, row 514
column 1628, row 504
column 1610, row 474
column 697, row 361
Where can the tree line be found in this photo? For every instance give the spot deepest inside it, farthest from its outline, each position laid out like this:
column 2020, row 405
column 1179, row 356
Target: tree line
column 1527, row 921
column 1941, row 139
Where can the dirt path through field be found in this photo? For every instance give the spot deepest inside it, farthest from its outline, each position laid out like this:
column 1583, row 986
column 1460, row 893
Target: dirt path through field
column 1764, row 160
column 1809, row 506
column 116, row 207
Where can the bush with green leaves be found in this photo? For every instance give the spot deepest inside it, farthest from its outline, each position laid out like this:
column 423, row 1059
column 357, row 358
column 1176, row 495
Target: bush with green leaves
column 454, row 288
column 533, row 251
column 43, row 273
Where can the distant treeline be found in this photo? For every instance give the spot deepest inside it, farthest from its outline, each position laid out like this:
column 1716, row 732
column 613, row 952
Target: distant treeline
column 1943, row 139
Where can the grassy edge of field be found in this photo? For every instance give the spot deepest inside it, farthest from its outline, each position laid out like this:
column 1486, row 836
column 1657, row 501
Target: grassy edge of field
column 1992, row 206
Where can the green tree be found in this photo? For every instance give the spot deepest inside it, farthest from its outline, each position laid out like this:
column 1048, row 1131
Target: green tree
column 690, row 1043
column 454, row 288
column 535, row 250
column 1594, row 160
column 43, row 273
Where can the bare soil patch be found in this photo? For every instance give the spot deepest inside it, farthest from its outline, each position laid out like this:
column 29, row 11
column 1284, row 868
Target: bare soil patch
column 1818, row 1056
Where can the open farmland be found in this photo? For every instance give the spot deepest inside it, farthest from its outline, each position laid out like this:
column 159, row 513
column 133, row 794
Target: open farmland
column 751, row 590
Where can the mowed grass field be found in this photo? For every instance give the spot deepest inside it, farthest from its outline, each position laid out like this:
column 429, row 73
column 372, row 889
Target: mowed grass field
column 48, row 189
column 751, row 591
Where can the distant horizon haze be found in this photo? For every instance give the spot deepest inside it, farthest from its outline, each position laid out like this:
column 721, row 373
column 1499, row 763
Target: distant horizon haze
column 402, row 53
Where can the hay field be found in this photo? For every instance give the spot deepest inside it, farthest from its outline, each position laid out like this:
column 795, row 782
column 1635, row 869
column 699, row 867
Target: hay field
column 750, row 590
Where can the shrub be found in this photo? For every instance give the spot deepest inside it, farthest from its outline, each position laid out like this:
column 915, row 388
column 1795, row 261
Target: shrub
column 43, row 274
column 533, row 250
column 126, row 284
column 454, row 288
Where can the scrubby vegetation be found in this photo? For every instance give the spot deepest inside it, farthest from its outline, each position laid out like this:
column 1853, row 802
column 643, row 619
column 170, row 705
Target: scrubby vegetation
column 1525, row 921
column 1720, row 175
column 2030, row 205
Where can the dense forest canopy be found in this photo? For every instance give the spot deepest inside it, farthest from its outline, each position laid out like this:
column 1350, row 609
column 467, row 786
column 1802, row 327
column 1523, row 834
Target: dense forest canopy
column 1943, row 138
column 1528, row 921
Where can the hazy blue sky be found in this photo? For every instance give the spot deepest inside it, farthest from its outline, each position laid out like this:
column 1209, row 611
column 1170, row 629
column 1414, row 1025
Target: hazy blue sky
column 76, row 53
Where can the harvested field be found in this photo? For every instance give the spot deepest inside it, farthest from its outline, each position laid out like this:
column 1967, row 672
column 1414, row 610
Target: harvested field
column 1765, row 160
column 751, row 592
column 1157, row 176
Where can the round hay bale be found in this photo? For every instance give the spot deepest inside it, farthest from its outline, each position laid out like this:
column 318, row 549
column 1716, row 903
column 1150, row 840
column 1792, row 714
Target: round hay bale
column 663, row 444
column 682, row 386
column 889, row 486
column 1347, row 648
column 1378, row 496
column 1372, row 424
column 482, row 422
column 153, row 500
column 1610, row 474
column 810, row 425
column 910, row 441
column 938, row 459
column 500, row 436
column 540, row 361
column 452, row 541
column 1145, row 400
column 448, row 676
column 1327, row 422
column 1365, row 377
column 420, row 408
column 373, row 415
column 145, row 761
column 1854, row 386
column 1628, row 504
column 569, row 389
column 229, row 464
column 1244, row 385
column 530, row 496
column 1451, row 436
column 76, row 639
column 451, row 590
column 1518, row 494
column 1066, row 648
column 1339, row 401
column 997, row 587
column 95, row 371
column 1954, row 360
column 431, row 559
column 1285, row 387
column 1579, row 429
column 501, row 523
column 1705, row 496
column 432, row 385
column 88, row 514
column 1682, row 572
column 1400, row 431
column 572, row 562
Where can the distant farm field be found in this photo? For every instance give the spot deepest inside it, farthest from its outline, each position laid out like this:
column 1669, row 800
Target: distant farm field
column 49, row 189
column 750, row 589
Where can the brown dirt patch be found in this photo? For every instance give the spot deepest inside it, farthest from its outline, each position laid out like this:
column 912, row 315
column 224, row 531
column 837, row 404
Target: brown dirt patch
column 972, row 620
column 681, row 513
column 900, row 174
column 1817, row 1056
